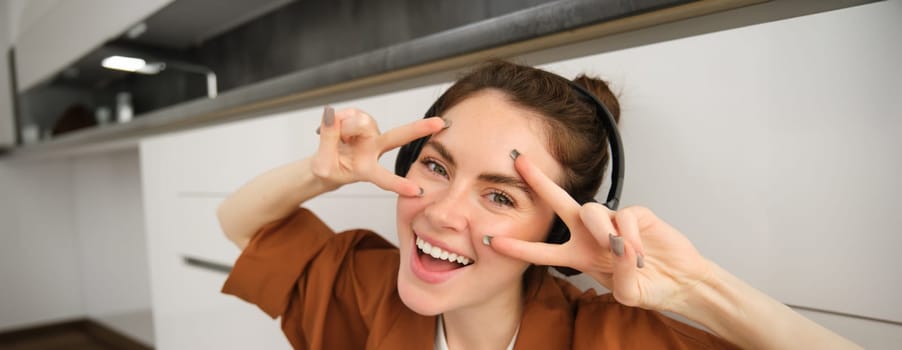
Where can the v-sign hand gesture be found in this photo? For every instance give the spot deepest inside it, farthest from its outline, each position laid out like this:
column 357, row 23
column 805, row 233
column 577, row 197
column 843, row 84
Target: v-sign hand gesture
column 351, row 144
column 643, row 261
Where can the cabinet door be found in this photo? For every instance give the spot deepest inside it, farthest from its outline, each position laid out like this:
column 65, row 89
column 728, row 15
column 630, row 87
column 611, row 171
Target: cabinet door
column 52, row 34
column 185, row 176
column 189, row 312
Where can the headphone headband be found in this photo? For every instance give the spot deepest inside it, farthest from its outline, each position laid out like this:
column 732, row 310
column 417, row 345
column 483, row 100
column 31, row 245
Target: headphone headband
column 616, row 144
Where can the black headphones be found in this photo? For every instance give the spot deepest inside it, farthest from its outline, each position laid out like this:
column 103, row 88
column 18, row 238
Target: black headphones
column 559, row 233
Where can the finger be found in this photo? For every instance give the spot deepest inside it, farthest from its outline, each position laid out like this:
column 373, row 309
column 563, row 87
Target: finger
column 538, row 253
column 327, row 153
column 626, row 287
column 597, row 218
column 628, row 225
column 390, row 182
column 406, row 133
column 560, row 201
column 355, row 124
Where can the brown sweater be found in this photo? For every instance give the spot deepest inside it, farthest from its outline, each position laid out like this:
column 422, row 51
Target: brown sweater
column 339, row 291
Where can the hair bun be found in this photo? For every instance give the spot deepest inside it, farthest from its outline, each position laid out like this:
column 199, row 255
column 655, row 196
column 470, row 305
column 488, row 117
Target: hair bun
column 602, row 91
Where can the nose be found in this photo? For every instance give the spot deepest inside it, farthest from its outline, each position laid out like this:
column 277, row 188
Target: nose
column 449, row 209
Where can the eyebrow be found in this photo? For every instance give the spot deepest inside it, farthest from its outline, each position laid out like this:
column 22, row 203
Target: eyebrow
column 442, row 151
column 501, row 179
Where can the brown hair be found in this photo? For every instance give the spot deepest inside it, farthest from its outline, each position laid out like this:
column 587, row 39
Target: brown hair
column 576, row 137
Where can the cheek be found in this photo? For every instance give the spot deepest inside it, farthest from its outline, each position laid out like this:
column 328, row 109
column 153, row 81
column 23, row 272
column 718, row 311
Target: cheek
column 406, row 209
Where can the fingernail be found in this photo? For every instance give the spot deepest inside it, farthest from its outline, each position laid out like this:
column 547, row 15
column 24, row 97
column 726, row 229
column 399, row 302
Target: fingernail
column 328, row 116
column 487, row 240
column 616, row 244
column 447, row 123
column 640, row 261
column 515, row 154
column 317, row 130
column 422, row 192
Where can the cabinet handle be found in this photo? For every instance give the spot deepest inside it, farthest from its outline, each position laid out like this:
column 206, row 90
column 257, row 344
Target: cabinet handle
column 206, row 264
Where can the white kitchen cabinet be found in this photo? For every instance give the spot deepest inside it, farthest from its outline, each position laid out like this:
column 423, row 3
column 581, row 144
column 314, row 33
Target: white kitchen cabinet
column 185, row 176
column 49, row 35
column 7, row 118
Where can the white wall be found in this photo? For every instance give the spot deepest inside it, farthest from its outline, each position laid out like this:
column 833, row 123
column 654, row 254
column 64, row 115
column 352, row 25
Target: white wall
column 112, row 251
column 73, row 243
column 38, row 254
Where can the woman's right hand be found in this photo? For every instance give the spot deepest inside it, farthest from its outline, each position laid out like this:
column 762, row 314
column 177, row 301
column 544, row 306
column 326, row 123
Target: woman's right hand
column 350, row 146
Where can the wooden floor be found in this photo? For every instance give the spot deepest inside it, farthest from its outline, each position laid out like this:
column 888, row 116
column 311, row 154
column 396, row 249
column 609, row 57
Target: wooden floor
column 74, row 335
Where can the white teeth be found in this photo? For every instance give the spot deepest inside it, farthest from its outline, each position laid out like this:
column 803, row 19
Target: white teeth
column 439, row 253
column 436, row 252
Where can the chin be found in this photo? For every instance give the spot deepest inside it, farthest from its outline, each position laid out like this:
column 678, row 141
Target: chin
column 414, row 297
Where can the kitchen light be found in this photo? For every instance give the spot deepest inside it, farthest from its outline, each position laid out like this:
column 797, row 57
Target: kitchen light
column 128, row 64
column 131, row 64
column 137, row 65
column 152, row 68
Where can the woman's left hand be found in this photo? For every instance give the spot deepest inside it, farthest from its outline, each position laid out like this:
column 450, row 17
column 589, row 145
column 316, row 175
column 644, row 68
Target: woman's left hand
column 670, row 264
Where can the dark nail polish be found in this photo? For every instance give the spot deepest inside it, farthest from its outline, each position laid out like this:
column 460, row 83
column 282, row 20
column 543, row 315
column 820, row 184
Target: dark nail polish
column 515, row 154
column 328, row 116
column 616, row 244
column 640, row 261
column 447, row 123
column 487, row 240
column 317, row 130
column 422, row 192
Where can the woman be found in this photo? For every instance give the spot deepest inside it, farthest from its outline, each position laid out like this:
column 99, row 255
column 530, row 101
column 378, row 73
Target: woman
column 514, row 147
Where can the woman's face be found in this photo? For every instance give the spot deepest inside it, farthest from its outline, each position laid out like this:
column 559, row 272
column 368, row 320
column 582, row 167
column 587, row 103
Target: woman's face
column 471, row 190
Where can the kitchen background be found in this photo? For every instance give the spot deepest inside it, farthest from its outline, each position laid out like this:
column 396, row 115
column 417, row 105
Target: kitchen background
column 787, row 114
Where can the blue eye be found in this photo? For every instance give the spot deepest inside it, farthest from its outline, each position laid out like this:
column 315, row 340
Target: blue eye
column 435, row 167
column 501, row 198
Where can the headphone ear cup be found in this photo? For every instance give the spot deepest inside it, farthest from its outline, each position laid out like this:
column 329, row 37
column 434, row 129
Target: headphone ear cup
column 407, row 155
column 559, row 233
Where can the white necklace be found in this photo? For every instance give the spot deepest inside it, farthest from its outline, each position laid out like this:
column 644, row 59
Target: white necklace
column 441, row 343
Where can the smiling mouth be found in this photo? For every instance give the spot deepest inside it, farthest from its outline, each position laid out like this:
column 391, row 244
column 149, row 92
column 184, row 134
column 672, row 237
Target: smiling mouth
column 435, row 258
